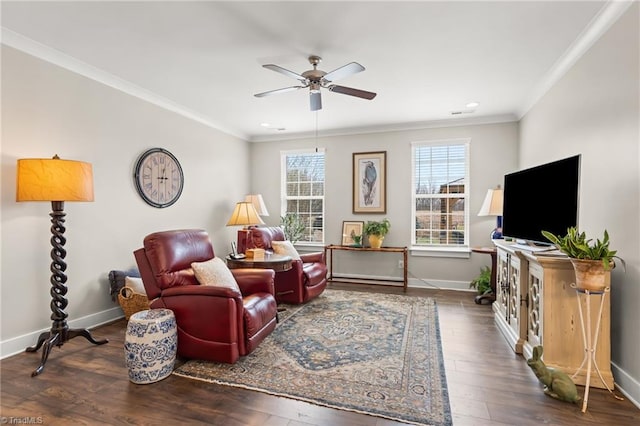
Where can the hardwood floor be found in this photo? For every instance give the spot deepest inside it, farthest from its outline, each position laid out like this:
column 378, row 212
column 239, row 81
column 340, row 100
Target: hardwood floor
column 488, row 385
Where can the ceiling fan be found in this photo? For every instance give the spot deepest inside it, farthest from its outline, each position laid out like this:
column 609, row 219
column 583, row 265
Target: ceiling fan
column 315, row 79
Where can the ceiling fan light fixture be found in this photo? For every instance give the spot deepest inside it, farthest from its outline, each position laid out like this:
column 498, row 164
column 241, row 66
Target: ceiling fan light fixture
column 314, row 87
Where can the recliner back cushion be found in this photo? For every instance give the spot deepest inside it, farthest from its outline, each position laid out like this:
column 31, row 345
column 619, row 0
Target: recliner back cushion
column 171, row 253
column 261, row 237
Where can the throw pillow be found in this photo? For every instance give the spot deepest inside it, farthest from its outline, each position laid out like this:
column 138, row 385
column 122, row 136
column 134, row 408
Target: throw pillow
column 285, row 248
column 214, row 272
column 135, row 284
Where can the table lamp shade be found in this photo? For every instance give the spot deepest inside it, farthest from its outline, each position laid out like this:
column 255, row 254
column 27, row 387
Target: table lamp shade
column 244, row 214
column 492, row 205
column 258, row 203
column 53, row 179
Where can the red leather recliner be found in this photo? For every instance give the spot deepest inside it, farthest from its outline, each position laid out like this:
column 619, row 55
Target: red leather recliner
column 304, row 281
column 214, row 323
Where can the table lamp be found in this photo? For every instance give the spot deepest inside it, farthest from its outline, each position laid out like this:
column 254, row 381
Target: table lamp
column 244, row 214
column 492, row 206
column 56, row 180
column 258, row 203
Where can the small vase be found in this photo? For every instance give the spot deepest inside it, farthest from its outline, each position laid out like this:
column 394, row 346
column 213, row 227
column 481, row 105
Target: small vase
column 590, row 274
column 375, row 241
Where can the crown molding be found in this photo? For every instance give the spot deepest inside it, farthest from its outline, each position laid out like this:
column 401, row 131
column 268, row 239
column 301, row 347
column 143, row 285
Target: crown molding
column 598, row 26
column 56, row 57
column 399, row 127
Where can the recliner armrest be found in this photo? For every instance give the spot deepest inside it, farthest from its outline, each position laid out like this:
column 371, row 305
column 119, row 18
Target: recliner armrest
column 313, row 257
column 202, row 290
column 254, row 280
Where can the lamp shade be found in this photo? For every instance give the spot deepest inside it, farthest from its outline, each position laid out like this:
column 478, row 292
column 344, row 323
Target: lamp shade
column 492, row 205
column 244, row 214
column 258, row 203
column 53, row 179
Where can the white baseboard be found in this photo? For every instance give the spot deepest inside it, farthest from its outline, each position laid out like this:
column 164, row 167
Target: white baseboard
column 413, row 282
column 18, row 344
column 626, row 384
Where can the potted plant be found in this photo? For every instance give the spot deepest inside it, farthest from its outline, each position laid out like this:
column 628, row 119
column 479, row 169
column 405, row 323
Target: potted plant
column 590, row 260
column 482, row 283
column 293, row 227
column 376, row 231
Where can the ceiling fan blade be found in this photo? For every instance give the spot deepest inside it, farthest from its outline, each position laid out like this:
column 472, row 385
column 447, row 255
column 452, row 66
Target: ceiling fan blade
column 344, row 71
column 285, row 71
column 274, row 92
column 316, row 100
column 352, row 92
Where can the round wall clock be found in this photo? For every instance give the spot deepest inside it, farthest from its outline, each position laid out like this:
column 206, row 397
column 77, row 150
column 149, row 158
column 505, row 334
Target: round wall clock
column 158, row 177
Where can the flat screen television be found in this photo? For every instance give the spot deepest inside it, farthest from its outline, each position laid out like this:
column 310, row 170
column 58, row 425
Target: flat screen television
column 540, row 198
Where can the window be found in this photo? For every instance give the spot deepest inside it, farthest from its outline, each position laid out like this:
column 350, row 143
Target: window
column 303, row 191
column 440, row 176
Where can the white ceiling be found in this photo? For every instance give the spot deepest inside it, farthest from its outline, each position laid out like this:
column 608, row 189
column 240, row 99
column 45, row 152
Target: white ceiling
column 424, row 59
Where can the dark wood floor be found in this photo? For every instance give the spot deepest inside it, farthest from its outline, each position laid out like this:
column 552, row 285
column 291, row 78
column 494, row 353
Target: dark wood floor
column 488, row 385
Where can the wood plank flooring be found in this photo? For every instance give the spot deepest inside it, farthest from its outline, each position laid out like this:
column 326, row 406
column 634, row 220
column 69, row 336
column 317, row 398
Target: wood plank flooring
column 488, row 385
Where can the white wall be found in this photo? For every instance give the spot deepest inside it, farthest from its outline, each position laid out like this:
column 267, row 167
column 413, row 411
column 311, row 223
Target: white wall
column 594, row 110
column 493, row 153
column 48, row 110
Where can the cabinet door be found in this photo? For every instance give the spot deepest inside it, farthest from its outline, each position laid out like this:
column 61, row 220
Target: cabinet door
column 514, row 316
column 534, row 309
column 501, row 304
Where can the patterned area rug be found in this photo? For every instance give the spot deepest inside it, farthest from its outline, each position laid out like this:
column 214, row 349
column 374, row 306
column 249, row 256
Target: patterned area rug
column 377, row 354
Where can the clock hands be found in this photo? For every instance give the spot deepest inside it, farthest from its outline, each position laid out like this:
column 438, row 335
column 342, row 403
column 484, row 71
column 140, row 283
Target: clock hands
column 163, row 177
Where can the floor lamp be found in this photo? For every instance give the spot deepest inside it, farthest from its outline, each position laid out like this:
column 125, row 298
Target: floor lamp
column 56, row 180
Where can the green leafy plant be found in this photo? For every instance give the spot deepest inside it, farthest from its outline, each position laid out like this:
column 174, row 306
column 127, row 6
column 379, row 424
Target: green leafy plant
column 482, row 282
column 576, row 245
column 357, row 239
column 379, row 228
column 293, row 227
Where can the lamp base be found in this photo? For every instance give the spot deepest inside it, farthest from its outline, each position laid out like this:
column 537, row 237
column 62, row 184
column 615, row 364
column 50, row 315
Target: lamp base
column 57, row 337
column 496, row 234
column 60, row 332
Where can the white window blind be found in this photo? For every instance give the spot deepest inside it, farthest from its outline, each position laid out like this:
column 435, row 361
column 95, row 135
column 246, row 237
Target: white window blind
column 440, row 182
column 303, row 191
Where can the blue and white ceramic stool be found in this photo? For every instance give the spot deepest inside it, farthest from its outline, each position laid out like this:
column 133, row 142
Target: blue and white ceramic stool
column 150, row 345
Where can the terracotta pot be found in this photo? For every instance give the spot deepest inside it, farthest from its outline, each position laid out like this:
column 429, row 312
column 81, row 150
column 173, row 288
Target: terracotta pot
column 590, row 274
column 375, row 241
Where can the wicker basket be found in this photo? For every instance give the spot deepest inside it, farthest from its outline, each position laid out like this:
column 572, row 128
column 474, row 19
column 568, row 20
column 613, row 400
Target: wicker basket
column 132, row 302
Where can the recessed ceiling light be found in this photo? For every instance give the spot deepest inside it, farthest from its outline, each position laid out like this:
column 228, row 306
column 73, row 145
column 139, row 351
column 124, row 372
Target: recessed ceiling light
column 472, row 104
column 265, row 124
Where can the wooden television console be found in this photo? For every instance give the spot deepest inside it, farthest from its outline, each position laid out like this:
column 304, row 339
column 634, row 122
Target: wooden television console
column 536, row 305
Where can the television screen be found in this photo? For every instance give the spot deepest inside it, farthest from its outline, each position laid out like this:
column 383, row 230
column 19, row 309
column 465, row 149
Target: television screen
column 541, row 198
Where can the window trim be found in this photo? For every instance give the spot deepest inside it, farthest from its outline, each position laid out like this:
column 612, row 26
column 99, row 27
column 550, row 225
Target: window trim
column 436, row 250
column 283, row 189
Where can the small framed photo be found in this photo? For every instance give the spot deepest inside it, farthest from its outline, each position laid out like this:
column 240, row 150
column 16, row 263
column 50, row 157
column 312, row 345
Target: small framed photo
column 370, row 182
column 352, row 233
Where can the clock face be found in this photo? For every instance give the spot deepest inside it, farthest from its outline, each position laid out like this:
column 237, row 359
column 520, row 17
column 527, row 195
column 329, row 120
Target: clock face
column 158, row 177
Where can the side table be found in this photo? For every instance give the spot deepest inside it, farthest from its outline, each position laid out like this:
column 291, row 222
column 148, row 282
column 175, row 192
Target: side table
column 402, row 250
column 277, row 262
column 491, row 297
column 150, row 345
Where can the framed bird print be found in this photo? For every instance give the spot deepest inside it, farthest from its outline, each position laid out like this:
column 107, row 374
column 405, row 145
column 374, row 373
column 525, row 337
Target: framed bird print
column 370, row 182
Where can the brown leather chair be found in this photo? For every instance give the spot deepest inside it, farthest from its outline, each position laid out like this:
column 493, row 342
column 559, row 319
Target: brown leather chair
column 214, row 323
column 304, row 281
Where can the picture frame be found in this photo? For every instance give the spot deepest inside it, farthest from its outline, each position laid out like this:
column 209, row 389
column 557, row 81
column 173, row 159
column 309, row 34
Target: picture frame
column 370, row 182
column 349, row 227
